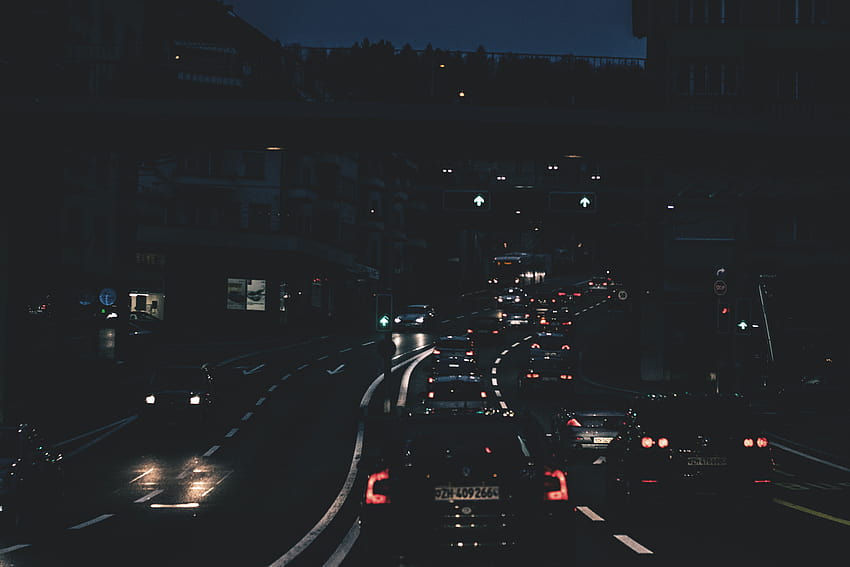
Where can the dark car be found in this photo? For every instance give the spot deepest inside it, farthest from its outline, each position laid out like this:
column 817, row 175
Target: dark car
column 540, row 303
column 415, row 317
column 454, row 348
column 458, row 394
column 544, row 373
column 178, row 394
column 550, row 344
column 557, row 320
column 687, row 444
column 458, row 484
column 485, row 329
column 31, row 477
column 588, row 424
column 455, row 367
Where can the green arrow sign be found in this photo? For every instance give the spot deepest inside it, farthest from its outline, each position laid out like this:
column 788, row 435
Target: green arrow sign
column 478, row 200
column 743, row 325
column 584, row 202
column 384, row 321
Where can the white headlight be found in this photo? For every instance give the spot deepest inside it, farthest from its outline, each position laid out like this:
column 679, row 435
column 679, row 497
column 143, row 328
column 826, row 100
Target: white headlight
column 397, row 319
column 420, row 319
column 195, row 400
column 151, row 399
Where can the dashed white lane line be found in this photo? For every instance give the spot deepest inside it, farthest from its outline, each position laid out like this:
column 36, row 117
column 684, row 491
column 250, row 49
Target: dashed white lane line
column 303, row 366
column 232, row 432
column 475, row 313
column 260, row 401
column 446, row 321
column 514, row 345
column 498, row 393
column 212, row 450
column 458, row 317
column 367, row 343
column 494, row 382
column 345, row 349
column 147, row 472
column 498, row 360
column 91, row 522
column 504, row 352
column 285, row 377
column 272, row 388
column 632, row 544
column 493, row 371
column 590, row 513
column 323, row 357
column 148, row 496
column 503, row 404
column 12, row 548
column 527, row 338
column 599, row 460
column 247, row 416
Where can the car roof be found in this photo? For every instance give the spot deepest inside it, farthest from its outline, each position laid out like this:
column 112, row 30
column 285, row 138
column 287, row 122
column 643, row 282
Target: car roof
column 468, row 378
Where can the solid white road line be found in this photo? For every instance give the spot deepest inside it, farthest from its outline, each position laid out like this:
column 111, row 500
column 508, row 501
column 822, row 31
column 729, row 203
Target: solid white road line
column 91, row 522
column 148, row 496
column 97, row 439
column 12, row 548
column 212, row 450
column 344, row 548
column 810, row 457
column 590, row 513
column 232, row 432
column 632, row 544
column 405, row 379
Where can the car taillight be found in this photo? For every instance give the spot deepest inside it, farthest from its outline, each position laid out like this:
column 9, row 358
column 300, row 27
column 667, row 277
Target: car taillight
column 430, row 379
column 535, row 345
column 469, row 330
column 647, row 442
column 470, row 352
column 532, row 375
column 573, row 422
column 543, row 321
column 663, row 442
column 762, row 442
column 577, row 294
column 565, row 347
column 372, row 494
column 748, row 442
column 567, row 323
column 483, row 394
column 436, row 351
column 495, row 331
column 566, row 376
column 431, row 395
column 556, row 485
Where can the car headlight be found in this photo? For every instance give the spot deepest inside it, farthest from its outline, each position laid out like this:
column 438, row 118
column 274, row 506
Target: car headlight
column 397, row 319
column 151, row 399
column 420, row 319
column 195, row 400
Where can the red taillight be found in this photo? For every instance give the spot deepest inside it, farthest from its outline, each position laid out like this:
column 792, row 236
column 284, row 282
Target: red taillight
column 589, row 283
column 436, row 351
column 663, row 442
column 543, row 321
column 562, row 293
column 532, row 375
column 748, row 442
column 495, row 331
column 483, row 394
column 566, row 376
column 431, row 395
column 565, row 347
column 469, row 330
column 647, row 442
column 373, row 497
column 535, row 345
column 556, row 476
column 573, row 422
column 430, row 379
column 761, row 481
column 567, row 323
column 761, row 442
column 470, row 352
column 577, row 294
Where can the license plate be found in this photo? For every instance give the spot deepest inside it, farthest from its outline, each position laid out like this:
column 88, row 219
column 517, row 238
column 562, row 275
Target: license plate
column 707, row 461
column 450, row 493
column 602, row 439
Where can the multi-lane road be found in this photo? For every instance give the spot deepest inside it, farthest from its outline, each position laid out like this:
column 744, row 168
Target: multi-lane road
column 274, row 480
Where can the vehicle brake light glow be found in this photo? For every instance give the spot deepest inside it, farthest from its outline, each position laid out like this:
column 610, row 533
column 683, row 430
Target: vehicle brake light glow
column 535, row 345
column 430, row 379
column 562, row 293
column 436, row 351
column 373, row 497
column 495, row 331
column 573, row 422
column 532, row 375
column 663, row 442
column 566, row 376
column 469, row 331
column 577, row 294
column 561, row 478
column 647, row 442
column 470, row 352
column 483, row 394
column 565, row 347
column 748, row 442
column 431, row 395
column 762, row 442
column 195, row 400
column 762, row 480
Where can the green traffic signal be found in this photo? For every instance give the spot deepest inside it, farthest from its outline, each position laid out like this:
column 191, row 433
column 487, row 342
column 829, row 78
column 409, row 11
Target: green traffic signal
column 383, row 311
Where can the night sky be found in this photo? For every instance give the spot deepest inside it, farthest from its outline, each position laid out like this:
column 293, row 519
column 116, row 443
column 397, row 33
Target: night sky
column 575, row 27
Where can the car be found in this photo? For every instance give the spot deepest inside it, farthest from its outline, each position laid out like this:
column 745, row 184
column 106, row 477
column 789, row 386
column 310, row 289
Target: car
column 568, row 294
column 458, row 393
column 556, row 373
column 32, row 477
column 448, row 366
column 689, row 444
column 178, row 395
column 417, row 316
column 454, row 348
column 482, row 486
column 550, row 344
column 514, row 318
column 600, row 283
column 485, row 329
column 560, row 319
column 588, row 425
column 540, row 303
column 511, row 296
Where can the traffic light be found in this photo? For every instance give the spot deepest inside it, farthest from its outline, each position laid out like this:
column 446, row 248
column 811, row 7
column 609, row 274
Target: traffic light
column 466, row 200
column 743, row 316
column 570, row 202
column 383, row 312
column 724, row 317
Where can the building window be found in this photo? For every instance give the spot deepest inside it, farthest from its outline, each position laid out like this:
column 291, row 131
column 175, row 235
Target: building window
column 255, row 165
column 237, row 294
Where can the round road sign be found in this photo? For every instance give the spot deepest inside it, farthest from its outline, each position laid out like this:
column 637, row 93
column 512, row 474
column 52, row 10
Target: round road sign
column 719, row 287
column 622, row 295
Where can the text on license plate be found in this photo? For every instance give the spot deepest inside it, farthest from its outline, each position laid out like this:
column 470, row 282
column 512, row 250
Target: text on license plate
column 602, row 439
column 707, row 461
column 466, row 493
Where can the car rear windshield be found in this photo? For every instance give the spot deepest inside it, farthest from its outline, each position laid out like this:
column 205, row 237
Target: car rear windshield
column 456, row 391
column 693, row 416
column 453, row 343
column 179, row 379
column 448, row 445
column 550, row 343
